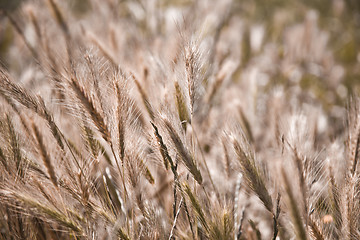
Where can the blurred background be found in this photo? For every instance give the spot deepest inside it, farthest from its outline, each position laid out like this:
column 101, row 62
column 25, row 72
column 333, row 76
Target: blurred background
column 306, row 47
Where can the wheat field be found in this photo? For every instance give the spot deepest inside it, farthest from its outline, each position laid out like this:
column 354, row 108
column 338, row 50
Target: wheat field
column 181, row 119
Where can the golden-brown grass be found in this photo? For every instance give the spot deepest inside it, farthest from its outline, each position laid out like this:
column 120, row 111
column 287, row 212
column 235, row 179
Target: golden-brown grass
column 179, row 120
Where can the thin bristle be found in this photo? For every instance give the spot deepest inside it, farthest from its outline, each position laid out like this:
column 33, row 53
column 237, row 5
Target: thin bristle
column 45, row 156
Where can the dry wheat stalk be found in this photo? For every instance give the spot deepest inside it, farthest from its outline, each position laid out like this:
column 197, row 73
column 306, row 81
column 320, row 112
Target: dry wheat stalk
column 102, row 171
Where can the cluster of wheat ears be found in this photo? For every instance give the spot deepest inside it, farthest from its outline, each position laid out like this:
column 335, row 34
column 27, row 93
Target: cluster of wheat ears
column 122, row 121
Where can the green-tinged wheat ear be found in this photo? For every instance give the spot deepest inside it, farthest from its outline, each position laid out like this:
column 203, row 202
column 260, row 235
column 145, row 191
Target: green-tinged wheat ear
column 121, row 235
column 296, row 216
column 315, row 231
column 196, row 206
column 91, row 143
column 15, row 147
column 75, row 215
column 121, row 128
column 253, row 176
column 222, row 227
column 246, row 47
column 95, row 115
column 53, row 214
column 148, row 175
column 181, row 106
column 121, row 101
column 186, row 158
column 45, row 156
